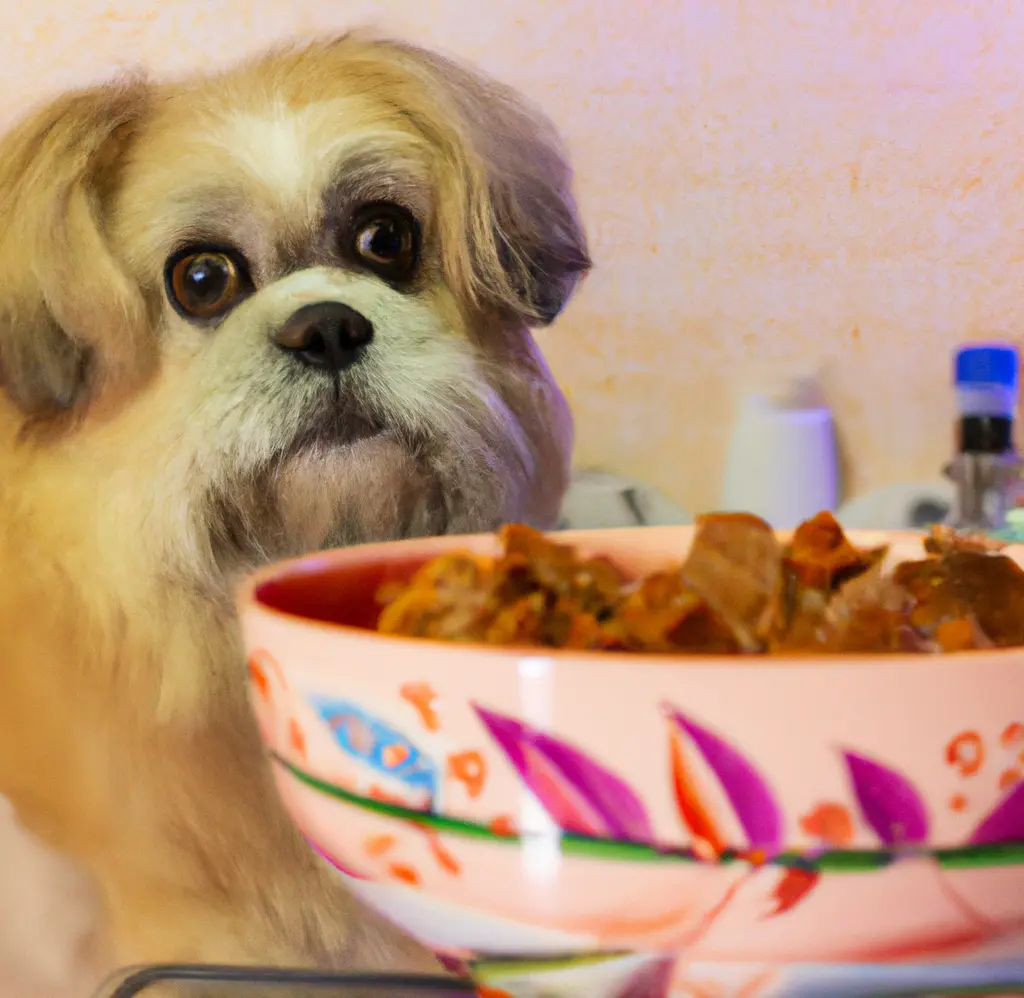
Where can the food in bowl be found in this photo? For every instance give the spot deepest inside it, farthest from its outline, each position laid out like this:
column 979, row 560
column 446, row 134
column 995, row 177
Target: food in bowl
column 740, row 589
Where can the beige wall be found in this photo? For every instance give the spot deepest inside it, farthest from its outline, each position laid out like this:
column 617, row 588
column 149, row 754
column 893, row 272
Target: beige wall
column 771, row 186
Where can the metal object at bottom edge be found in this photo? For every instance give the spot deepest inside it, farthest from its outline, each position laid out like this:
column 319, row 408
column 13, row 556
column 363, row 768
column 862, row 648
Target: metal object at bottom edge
column 210, row 980
column 999, row 979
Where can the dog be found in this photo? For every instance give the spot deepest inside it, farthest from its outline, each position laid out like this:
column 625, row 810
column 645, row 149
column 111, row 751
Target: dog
column 245, row 315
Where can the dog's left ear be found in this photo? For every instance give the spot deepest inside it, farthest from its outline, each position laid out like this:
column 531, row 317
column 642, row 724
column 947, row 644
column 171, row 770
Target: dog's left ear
column 507, row 183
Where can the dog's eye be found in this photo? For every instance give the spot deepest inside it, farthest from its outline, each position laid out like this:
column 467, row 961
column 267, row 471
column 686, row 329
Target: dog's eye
column 386, row 239
column 205, row 283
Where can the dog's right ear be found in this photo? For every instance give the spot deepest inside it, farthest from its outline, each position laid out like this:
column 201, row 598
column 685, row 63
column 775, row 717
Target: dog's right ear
column 69, row 315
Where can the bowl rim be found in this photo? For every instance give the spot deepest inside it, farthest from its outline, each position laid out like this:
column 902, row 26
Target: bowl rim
column 248, row 601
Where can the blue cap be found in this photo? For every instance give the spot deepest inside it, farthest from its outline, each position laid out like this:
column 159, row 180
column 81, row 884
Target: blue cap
column 987, row 364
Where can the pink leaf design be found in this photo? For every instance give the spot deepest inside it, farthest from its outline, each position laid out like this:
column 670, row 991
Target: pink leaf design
column 747, row 791
column 888, row 801
column 1005, row 823
column 580, row 794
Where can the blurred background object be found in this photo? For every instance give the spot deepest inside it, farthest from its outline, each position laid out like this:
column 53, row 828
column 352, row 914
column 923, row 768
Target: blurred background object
column 904, row 506
column 599, row 499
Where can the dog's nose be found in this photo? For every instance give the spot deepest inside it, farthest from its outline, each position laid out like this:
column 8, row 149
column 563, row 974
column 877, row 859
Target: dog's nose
column 325, row 334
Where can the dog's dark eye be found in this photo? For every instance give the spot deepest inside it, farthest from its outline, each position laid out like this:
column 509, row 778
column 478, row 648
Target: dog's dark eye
column 386, row 239
column 206, row 283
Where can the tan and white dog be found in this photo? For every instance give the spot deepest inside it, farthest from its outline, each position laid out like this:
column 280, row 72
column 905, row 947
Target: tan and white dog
column 241, row 316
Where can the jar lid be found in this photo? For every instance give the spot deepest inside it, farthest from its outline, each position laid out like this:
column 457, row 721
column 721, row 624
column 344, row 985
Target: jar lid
column 986, row 364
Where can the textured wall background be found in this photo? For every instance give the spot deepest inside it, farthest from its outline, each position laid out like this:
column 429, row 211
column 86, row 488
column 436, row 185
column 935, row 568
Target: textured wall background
column 771, row 186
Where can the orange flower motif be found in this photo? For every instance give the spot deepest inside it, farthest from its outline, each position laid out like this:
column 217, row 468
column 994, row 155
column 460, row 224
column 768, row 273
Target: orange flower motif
column 297, row 738
column 966, row 752
column 445, row 859
column 504, row 825
column 377, row 845
column 708, row 840
column 377, row 792
column 422, row 698
column 405, row 873
column 470, row 770
column 829, row 822
column 794, row 886
column 1013, row 734
column 259, row 680
column 394, row 755
column 260, row 664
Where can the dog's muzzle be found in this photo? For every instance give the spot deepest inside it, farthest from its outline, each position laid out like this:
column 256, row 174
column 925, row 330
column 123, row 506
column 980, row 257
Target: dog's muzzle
column 325, row 334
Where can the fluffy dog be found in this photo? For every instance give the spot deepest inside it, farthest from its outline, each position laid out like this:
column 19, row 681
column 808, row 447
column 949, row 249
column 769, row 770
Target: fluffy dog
column 243, row 316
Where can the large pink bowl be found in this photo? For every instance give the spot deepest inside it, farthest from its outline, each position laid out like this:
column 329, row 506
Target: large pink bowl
column 518, row 802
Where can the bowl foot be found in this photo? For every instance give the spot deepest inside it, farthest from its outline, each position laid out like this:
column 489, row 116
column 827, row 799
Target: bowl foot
column 629, row 975
column 650, row 976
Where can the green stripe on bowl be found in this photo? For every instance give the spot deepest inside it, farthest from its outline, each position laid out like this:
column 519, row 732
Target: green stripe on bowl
column 833, row 861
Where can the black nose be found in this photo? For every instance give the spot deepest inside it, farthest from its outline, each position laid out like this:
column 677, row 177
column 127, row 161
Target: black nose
column 325, row 334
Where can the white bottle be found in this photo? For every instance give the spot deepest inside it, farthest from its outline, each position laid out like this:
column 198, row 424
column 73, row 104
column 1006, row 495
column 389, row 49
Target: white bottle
column 782, row 462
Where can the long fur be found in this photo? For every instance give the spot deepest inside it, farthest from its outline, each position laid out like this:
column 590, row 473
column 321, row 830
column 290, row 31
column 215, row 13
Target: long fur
column 145, row 463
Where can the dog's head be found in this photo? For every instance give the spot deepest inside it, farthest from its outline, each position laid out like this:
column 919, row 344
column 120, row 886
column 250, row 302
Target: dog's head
column 287, row 306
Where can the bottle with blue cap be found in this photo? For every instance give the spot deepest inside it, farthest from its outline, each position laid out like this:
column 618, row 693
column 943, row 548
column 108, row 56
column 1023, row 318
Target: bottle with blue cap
column 985, row 468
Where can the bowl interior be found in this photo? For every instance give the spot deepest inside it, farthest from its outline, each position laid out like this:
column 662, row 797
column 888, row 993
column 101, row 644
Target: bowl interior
column 340, row 587
column 336, row 592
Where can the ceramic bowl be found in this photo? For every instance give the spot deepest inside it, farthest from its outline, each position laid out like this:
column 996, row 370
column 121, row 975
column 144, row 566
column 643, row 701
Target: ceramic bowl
column 619, row 818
